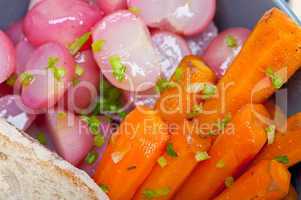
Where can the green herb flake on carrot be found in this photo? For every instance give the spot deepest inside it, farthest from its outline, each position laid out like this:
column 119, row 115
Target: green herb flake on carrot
column 196, row 110
column 178, row 73
column 155, row 193
column 282, row 159
column 163, row 84
column 170, row 150
column 277, row 81
column 162, row 161
column 270, row 131
column 209, row 91
column 201, row 156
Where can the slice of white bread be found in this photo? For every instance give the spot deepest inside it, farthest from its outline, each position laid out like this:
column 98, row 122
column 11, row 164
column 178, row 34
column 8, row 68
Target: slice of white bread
column 28, row 171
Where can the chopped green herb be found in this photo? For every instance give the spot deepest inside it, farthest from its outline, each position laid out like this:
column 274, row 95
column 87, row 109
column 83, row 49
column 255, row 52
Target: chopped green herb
column 61, row 115
column 52, row 62
column 201, row 156
column 282, row 159
column 75, row 81
column 221, row 125
column 155, row 193
column 41, row 138
column 26, row 78
column 178, row 73
column 122, row 114
column 196, row 110
column 58, row 72
column 99, row 140
column 131, row 167
column 164, row 84
column 97, row 45
column 170, row 150
column 78, row 43
column 91, row 157
column 118, row 68
column 104, row 188
column 11, row 80
column 162, row 162
column 134, row 10
column 220, row 164
column 231, row 41
column 209, row 91
column 79, row 71
column 270, row 131
column 93, row 123
column 229, row 181
column 276, row 80
column 195, row 87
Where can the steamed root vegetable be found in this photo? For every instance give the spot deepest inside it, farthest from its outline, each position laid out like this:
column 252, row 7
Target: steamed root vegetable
column 258, row 79
column 15, row 32
column 71, row 135
column 132, row 153
column 172, row 49
column 7, row 57
column 82, row 95
column 171, row 171
column 49, row 71
column 109, row 6
column 23, row 51
column 294, row 122
column 241, row 140
column 124, row 51
column 199, row 43
column 292, row 194
column 181, row 16
column 224, row 48
column 59, row 21
column 267, row 180
column 13, row 110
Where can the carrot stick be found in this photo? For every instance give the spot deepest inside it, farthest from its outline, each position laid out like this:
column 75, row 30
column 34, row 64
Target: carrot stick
column 292, row 194
column 294, row 122
column 131, row 154
column 233, row 150
column 268, row 180
column 177, row 168
column 273, row 47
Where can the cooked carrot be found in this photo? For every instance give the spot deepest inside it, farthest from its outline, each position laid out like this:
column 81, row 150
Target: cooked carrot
column 269, row 57
column 233, row 150
column 268, row 180
column 177, row 167
column 294, row 122
column 178, row 103
column 292, row 194
column 131, row 154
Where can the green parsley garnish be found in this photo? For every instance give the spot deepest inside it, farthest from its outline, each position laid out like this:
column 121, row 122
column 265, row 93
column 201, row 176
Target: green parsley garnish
column 162, row 161
column 118, row 68
column 276, row 80
column 78, row 43
column 52, row 62
column 61, row 115
column 58, row 72
column 155, row 193
column 11, row 80
column 26, row 78
column 104, row 188
column 209, row 91
column 178, row 73
column 196, row 110
column 221, row 125
column 134, row 10
column 164, row 84
column 79, row 71
column 41, row 138
column 75, row 81
column 229, row 181
column 231, row 41
column 201, row 156
column 99, row 140
column 170, row 150
column 220, row 164
column 282, row 159
column 93, row 123
column 91, row 157
column 97, row 45
column 270, row 131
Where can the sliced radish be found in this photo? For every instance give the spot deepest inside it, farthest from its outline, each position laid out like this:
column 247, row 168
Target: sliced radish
column 23, row 51
column 5, row 89
column 145, row 98
column 109, row 6
column 7, row 57
column 221, row 52
column 199, row 43
column 15, row 32
column 82, row 96
column 71, row 136
column 59, row 20
column 172, row 49
column 182, row 16
column 128, row 58
column 45, row 87
column 13, row 110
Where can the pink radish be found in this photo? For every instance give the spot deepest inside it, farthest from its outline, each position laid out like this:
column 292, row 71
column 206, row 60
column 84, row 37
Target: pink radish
column 71, row 136
column 5, row 89
column 7, row 57
column 15, row 32
column 23, row 51
column 124, row 51
column 82, row 96
column 109, row 6
column 223, row 49
column 172, row 49
column 13, row 110
column 199, row 43
column 48, row 72
column 60, row 20
column 182, row 16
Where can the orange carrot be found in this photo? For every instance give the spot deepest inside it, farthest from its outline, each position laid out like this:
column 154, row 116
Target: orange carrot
column 233, row 150
column 294, row 122
column 269, row 57
column 175, row 168
column 292, row 194
column 131, row 154
column 268, row 180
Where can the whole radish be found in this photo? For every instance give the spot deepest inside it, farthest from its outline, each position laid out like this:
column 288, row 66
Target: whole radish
column 110, row 6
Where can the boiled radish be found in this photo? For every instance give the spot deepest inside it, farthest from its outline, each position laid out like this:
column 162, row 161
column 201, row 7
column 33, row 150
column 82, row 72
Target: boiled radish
column 109, row 6
column 23, row 51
